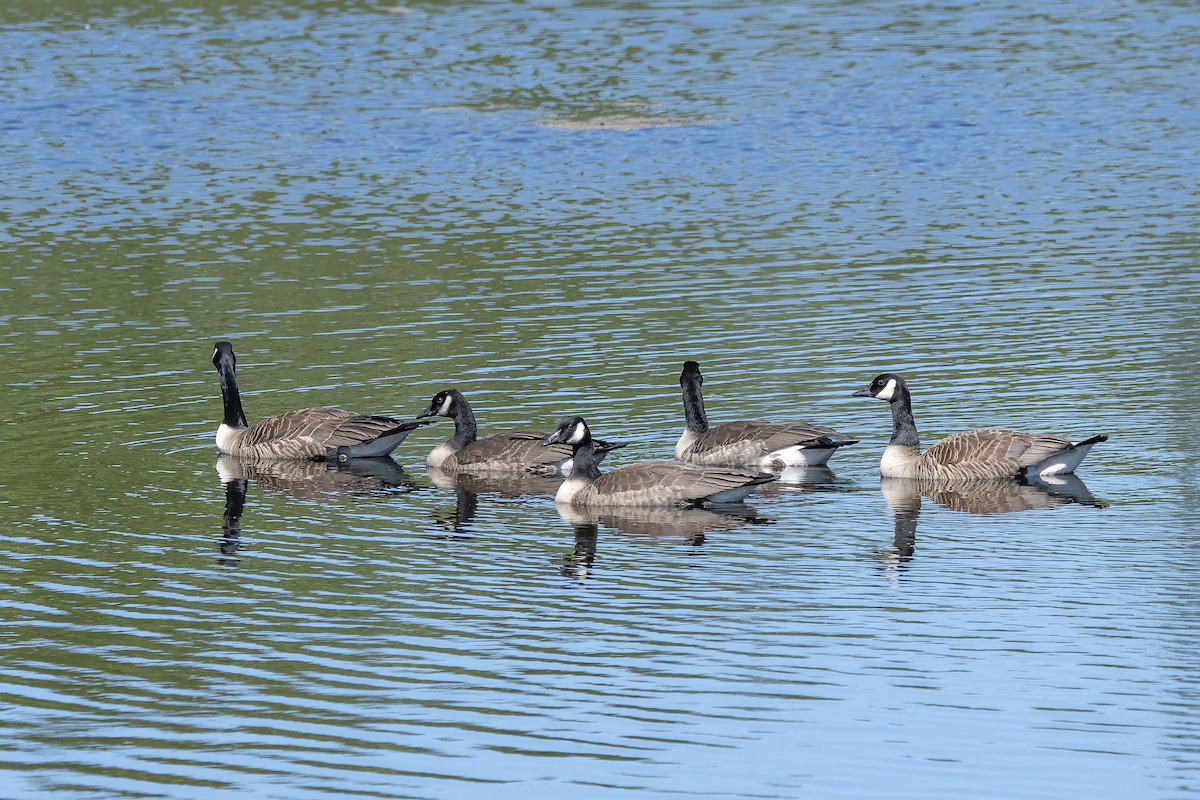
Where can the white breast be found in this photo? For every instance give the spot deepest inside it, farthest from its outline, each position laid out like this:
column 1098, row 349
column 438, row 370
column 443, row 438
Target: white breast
column 438, row 455
column 898, row 462
column 569, row 488
column 685, row 441
column 227, row 437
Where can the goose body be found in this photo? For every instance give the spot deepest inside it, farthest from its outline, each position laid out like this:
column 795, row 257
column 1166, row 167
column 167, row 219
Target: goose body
column 310, row 433
column 646, row 483
column 748, row 443
column 510, row 453
column 974, row 455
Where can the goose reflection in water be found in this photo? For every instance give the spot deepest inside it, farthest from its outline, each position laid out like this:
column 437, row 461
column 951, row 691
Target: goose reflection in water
column 806, row 480
column 468, row 487
column 692, row 524
column 231, row 522
column 985, row 497
column 301, row 480
column 318, row 480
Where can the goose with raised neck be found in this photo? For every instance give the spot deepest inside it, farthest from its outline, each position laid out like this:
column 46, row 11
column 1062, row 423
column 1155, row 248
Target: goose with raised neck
column 748, row 443
column 972, row 455
column 310, row 433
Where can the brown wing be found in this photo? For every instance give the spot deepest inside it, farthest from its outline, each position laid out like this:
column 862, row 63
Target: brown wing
column 748, row 441
column 999, row 451
column 312, row 432
column 768, row 436
column 513, row 447
column 667, row 482
column 355, row 429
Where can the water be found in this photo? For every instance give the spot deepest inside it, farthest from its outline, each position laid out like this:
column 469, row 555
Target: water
column 551, row 208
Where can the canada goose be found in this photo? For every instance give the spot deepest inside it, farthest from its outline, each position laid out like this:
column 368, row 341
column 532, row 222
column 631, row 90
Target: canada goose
column 646, row 483
column 987, row 453
column 514, row 452
column 310, row 433
column 750, row 443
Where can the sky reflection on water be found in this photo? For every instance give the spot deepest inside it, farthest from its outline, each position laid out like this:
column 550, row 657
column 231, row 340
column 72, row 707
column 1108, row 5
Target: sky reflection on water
column 374, row 205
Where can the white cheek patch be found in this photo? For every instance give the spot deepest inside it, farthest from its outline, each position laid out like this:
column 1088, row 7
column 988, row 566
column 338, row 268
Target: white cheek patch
column 888, row 390
column 577, row 434
column 445, row 412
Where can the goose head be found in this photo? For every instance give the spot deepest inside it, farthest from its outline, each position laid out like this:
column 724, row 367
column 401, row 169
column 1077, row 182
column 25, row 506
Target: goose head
column 690, row 374
column 223, row 355
column 888, row 386
column 444, row 404
column 572, row 430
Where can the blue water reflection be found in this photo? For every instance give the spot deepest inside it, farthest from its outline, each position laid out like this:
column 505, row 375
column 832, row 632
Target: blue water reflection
column 551, row 208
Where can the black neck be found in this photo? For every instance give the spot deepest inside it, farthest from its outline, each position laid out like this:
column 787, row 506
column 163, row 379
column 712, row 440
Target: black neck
column 693, row 406
column 465, row 429
column 234, row 416
column 585, row 461
column 904, row 427
column 905, row 539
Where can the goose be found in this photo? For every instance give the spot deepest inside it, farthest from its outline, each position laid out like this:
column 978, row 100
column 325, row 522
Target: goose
column 310, row 433
column 511, row 453
column 749, row 443
column 973, row 455
column 645, row 483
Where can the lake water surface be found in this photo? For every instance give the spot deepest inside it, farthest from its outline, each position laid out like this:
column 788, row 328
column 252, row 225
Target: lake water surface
column 551, row 207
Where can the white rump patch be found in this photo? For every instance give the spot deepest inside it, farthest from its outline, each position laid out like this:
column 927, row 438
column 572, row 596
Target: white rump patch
column 730, row 495
column 888, row 391
column 797, row 456
column 1063, row 463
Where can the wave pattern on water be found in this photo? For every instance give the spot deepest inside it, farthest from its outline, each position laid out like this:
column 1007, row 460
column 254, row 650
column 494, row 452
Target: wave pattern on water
column 375, row 204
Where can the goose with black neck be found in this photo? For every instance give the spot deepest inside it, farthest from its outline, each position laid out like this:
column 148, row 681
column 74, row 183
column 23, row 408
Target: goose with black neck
column 748, row 443
column 310, row 433
column 972, row 455
column 645, row 483
column 508, row 453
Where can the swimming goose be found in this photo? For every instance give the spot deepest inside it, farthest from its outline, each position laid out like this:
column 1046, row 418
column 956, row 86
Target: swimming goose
column 646, row 483
column 987, row 453
column 750, row 443
column 310, row 433
column 513, row 453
